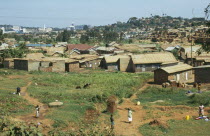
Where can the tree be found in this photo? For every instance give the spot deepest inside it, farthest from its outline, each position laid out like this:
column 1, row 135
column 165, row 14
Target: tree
column 206, row 44
column 85, row 27
column 84, row 39
column 66, row 36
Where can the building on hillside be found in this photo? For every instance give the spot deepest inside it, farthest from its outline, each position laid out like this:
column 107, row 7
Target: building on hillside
column 45, row 64
column 26, row 64
column 113, row 63
column 90, row 62
column 81, row 48
column 152, row 61
column 202, row 74
column 198, row 59
column 179, row 73
column 53, row 50
column 105, row 50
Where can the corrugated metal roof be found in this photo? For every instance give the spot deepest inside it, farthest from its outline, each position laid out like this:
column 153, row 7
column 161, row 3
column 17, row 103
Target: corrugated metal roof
column 79, row 46
column 151, row 58
column 195, row 54
column 204, row 66
column 194, row 48
column 112, row 59
column 170, row 48
column 177, row 68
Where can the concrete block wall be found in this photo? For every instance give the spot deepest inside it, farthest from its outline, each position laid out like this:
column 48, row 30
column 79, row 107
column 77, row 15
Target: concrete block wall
column 33, row 65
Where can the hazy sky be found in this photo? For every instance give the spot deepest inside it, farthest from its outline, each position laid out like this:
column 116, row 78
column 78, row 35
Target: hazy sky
column 61, row 13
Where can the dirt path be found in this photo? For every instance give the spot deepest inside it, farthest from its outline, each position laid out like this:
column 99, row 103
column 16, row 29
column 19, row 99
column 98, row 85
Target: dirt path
column 30, row 118
column 122, row 126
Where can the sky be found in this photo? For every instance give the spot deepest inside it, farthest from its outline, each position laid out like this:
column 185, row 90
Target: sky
column 62, row 13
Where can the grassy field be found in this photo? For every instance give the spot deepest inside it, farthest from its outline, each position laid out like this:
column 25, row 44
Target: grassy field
column 173, row 96
column 48, row 87
column 79, row 104
column 9, row 102
column 178, row 128
column 174, row 104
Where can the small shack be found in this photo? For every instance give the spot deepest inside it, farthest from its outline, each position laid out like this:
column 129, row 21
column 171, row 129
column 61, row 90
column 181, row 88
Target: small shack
column 180, row 73
column 152, row 61
column 91, row 62
column 202, row 74
column 26, row 64
column 112, row 63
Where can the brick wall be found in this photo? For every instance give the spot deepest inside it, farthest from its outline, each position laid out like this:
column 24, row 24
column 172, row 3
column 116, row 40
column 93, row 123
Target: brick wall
column 72, row 67
column 202, row 75
column 160, row 76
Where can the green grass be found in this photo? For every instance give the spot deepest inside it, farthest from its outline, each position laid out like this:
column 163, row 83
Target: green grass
column 9, row 102
column 170, row 96
column 178, row 128
column 54, row 86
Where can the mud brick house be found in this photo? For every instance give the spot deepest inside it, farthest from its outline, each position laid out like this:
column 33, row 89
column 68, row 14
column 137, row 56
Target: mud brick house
column 202, row 74
column 8, row 63
column 105, row 50
column 198, row 59
column 152, row 61
column 72, row 65
column 115, row 63
column 46, row 64
column 81, row 48
column 90, row 62
column 26, row 64
column 180, row 73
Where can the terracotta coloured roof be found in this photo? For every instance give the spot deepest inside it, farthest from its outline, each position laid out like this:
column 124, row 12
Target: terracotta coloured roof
column 79, row 46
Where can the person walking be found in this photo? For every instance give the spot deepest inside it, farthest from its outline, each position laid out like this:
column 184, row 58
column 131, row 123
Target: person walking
column 112, row 121
column 37, row 111
column 129, row 115
column 201, row 110
column 18, row 91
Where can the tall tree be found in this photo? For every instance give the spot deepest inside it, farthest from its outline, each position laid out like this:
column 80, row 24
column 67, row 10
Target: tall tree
column 206, row 45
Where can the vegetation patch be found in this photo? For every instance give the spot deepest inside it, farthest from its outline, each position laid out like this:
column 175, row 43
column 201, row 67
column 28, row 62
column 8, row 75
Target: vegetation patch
column 168, row 96
column 177, row 127
column 48, row 87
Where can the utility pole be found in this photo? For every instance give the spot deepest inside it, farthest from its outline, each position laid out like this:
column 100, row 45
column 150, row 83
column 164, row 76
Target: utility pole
column 192, row 38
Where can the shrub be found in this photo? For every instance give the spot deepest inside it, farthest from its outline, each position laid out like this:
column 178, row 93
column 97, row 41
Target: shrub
column 198, row 99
